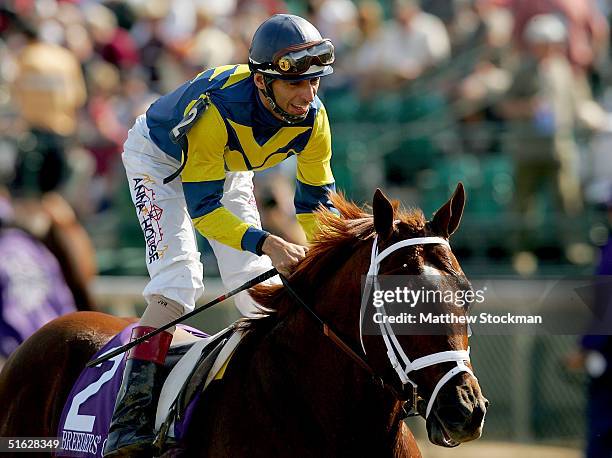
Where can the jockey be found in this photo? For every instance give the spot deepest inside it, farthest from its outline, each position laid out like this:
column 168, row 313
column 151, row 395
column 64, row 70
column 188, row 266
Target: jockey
column 190, row 161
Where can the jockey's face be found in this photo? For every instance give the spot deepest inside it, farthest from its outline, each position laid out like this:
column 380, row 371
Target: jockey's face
column 293, row 97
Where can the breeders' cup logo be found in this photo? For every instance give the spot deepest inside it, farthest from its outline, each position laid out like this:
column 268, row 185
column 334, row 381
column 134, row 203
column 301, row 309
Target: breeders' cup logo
column 149, row 216
column 85, row 443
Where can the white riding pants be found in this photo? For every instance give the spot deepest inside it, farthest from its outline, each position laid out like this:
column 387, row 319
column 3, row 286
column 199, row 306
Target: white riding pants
column 171, row 251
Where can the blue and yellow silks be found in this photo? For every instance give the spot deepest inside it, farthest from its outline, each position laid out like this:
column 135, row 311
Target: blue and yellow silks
column 237, row 133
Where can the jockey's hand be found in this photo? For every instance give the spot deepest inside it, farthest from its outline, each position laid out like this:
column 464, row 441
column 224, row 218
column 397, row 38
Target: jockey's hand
column 284, row 255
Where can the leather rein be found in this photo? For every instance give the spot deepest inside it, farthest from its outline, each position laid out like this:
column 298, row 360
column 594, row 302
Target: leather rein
column 348, row 350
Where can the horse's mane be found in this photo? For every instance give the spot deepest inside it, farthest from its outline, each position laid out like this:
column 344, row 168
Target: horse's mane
column 332, row 245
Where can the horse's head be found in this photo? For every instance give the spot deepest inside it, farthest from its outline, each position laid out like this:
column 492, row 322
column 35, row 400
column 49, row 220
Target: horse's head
column 437, row 365
column 327, row 284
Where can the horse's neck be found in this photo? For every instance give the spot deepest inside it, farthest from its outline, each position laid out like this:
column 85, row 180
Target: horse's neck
column 325, row 383
column 329, row 392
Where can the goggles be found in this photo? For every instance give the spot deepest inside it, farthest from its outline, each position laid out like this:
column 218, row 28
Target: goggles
column 297, row 60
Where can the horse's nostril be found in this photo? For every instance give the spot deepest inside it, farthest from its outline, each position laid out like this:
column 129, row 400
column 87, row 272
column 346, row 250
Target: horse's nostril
column 478, row 413
column 486, row 403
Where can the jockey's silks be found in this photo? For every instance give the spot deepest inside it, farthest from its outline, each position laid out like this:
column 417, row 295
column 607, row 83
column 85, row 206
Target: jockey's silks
column 237, row 133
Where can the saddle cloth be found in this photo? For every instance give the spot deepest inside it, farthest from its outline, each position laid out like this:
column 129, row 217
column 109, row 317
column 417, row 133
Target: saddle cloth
column 190, row 366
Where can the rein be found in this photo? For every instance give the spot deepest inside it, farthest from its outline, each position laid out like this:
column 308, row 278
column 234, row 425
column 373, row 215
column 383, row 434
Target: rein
column 345, row 347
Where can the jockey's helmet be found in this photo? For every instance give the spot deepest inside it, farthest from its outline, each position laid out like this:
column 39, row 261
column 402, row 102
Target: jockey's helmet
column 289, row 47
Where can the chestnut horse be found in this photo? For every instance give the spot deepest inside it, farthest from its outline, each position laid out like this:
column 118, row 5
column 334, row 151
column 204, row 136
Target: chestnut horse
column 289, row 390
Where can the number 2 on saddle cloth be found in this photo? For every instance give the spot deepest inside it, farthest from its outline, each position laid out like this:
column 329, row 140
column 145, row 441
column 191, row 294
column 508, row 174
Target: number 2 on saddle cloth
column 85, row 419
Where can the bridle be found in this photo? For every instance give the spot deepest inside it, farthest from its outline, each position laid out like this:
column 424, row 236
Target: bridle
column 394, row 349
column 395, row 352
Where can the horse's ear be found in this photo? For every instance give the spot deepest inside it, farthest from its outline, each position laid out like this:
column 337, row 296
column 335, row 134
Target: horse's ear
column 446, row 220
column 383, row 214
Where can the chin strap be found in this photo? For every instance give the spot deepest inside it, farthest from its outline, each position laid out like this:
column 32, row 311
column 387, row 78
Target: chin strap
column 268, row 93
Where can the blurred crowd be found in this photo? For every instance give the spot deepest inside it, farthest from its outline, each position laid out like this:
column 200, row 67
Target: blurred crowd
column 526, row 79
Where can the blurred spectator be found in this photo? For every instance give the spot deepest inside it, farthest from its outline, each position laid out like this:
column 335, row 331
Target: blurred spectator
column 224, row 9
column 336, row 19
column 211, row 46
column 148, row 33
column 112, row 43
column 33, row 290
column 48, row 90
column 249, row 15
column 414, row 42
column 103, row 132
column 444, row 9
column 542, row 110
column 78, row 38
column 178, row 22
column 484, row 51
column 52, row 221
column 105, row 95
column 124, row 12
column 587, row 28
column 267, row 7
column 481, row 24
column 595, row 356
column 364, row 61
